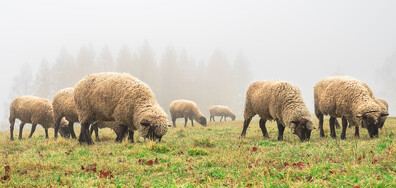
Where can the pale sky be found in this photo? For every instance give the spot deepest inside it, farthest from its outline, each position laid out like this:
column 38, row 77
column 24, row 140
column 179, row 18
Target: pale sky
column 296, row 41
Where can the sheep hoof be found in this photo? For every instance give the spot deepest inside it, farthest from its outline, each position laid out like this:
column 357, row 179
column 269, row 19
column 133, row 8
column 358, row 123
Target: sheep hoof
column 11, row 139
column 97, row 140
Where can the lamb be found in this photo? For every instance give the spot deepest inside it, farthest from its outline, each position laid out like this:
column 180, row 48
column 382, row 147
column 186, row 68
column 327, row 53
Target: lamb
column 222, row 111
column 121, row 98
column 188, row 110
column 119, row 129
column 64, row 107
column 279, row 101
column 34, row 110
column 350, row 99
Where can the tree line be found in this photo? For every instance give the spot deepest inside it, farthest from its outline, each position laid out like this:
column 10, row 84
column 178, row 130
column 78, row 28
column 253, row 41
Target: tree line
column 173, row 75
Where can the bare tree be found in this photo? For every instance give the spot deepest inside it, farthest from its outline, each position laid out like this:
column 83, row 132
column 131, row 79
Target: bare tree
column 105, row 60
column 43, row 81
column 242, row 77
column 219, row 80
column 148, row 66
column 64, row 71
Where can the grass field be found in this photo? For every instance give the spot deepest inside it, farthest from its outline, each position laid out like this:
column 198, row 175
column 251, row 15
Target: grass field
column 213, row 156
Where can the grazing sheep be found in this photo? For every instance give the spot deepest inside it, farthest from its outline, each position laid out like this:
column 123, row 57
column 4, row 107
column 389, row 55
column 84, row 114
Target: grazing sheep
column 350, row 99
column 121, row 98
column 280, row 101
column 222, row 111
column 63, row 104
column 188, row 110
column 34, row 110
column 381, row 120
column 119, row 129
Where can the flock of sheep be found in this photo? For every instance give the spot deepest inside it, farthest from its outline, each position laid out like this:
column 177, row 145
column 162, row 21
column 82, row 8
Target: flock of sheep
column 126, row 104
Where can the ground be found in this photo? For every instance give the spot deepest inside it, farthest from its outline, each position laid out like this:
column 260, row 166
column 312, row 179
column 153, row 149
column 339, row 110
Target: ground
column 202, row 156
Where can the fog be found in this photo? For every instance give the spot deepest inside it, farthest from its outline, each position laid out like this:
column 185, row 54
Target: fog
column 206, row 51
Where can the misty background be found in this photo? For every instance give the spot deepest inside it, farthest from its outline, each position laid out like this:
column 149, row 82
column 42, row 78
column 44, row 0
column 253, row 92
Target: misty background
column 206, row 51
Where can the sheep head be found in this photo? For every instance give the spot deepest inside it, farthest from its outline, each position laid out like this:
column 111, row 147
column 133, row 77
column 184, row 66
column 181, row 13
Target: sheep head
column 372, row 120
column 303, row 128
column 233, row 117
column 202, row 121
column 64, row 129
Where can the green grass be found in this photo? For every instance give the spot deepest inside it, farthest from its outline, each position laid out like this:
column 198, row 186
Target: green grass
column 204, row 156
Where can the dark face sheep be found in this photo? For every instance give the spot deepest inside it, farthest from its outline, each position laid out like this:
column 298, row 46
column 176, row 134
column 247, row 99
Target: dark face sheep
column 233, row 117
column 372, row 121
column 302, row 130
column 202, row 121
column 152, row 132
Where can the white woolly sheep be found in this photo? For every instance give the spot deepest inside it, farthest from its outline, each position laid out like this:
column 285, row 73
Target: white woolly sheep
column 350, row 99
column 34, row 110
column 279, row 101
column 119, row 129
column 188, row 110
column 122, row 98
column 223, row 111
column 64, row 107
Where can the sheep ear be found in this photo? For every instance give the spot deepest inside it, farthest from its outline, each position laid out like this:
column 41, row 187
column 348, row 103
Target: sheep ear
column 145, row 123
column 384, row 114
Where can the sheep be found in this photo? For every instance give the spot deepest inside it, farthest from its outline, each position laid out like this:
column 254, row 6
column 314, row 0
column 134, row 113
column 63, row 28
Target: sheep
column 64, row 106
column 350, row 99
column 279, row 101
column 188, row 110
column 122, row 98
column 382, row 119
column 34, row 110
column 119, row 129
column 222, row 111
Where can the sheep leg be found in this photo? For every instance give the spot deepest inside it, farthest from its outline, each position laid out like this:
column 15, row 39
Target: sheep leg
column 185, row 122
column 46, row 133
column 344, row 127
column 225, row 118
column 192, row 122
column 356, row 131
column 263, row 128
column 121, row 133
column 214, row 119
column 210, row 118
column 221, row 118
column 85, row 137
column 56, row 128
column 71, row 129
column 21, row 130
column 97, row 134
column 12, row 129
column 337, row 125
column 245, row 126
column 281, row 129
column 33, row 129
column 332, row 127
column 131, row 136
column 174, row 122
column 321, row 126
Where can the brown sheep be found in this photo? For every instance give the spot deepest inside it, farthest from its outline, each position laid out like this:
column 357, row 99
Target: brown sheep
column 34, row 110
column 188, row 110
column 280, row 101
column 121, row 98
column 350, row 99
column 223, row 111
